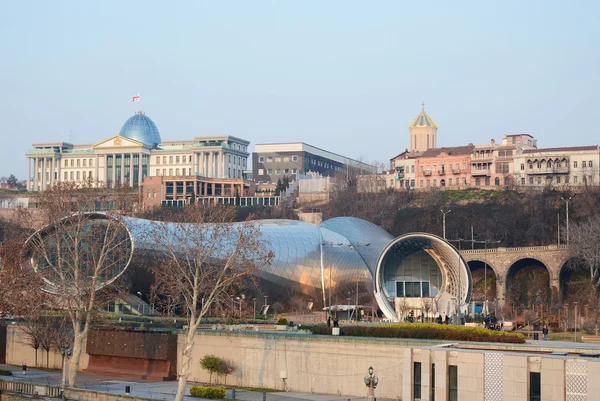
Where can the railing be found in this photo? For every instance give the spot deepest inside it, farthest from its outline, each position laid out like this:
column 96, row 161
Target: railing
column 41, row 151
column 442, row 172
column 517, row 249
column 78, row 151
column 427, row 173
column 227, row 200
column 30, row 388
column 480, row 172
column 551, row 170
column 455, row 171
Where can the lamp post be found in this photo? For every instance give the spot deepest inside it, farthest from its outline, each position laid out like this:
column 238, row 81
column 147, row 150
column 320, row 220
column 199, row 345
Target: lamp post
column 444, row 222
column 240, row 302
column 567, row 203
column 139, row 294
column 66, row 354
column 371, row 382
column 254, row 299
column 575, row 320
column 348, row 303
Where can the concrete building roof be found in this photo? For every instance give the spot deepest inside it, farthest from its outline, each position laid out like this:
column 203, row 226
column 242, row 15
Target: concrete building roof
column 564, row 149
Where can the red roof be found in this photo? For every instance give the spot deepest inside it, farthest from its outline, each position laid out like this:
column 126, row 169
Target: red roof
column 453, row 151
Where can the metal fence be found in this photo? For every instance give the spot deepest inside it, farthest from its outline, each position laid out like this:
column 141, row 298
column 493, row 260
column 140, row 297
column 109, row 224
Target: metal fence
column 29, row 388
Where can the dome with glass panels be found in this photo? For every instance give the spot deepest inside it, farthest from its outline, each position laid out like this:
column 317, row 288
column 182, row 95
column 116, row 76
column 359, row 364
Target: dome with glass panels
column 141, row 128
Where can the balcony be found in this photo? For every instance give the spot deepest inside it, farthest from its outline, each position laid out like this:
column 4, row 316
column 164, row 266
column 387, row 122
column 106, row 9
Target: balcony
column 427, row 173
column 551, row 170
column 455, row 171
column 480, row 172
column 442, row 172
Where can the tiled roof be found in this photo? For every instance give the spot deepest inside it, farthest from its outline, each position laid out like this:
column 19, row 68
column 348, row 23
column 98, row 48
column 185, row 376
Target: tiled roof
column 422, row 120
column 453, row 151
column 566, row 149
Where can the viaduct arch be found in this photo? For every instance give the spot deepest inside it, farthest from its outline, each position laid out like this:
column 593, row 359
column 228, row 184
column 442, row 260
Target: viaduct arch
column 500, row 260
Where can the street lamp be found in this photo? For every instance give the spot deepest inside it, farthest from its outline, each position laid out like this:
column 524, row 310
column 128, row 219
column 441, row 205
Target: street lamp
column 575, row 320
column 371, row 382
column 139, row 294
column 567, row 202
column 240, row 302
column 66, row 354
column 444, row 222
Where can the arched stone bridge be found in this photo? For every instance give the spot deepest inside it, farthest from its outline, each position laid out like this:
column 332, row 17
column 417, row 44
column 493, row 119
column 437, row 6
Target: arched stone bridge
column 504, row 262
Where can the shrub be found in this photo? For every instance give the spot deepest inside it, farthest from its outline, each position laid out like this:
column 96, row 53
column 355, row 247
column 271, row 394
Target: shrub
column 282, row 321
column 207, row 392
column 5, row 372
column 426, row 332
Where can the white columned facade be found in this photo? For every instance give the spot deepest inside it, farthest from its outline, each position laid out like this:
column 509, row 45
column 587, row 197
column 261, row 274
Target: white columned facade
column 43, row 173
column 58, row 170
column 131, row 170
column 28, row 173
column 122, row 168
column 140, row 178
column 97, row 168
column 114, row 171
column 52, row 167
column 35, row 173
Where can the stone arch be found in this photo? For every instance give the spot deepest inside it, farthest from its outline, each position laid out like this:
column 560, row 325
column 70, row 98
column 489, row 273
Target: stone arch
column 573, row 277
column 532, row 284
column 480, row 272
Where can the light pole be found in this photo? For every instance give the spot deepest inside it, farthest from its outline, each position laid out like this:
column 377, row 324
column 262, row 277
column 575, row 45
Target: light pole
column 348, row 300
column 254, row 299
column 567, row 202
column 444, row 222
column 575, row 320
column 139, row 294
column 371, row 382
column 240, row 302
column 66, row 354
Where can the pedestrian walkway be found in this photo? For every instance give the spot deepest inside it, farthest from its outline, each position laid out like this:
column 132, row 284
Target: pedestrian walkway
column 154, row 390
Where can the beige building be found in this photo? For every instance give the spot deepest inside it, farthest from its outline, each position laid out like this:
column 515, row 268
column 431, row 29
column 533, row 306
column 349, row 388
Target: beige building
column 402, row 173
column 558, row 167
column 423, row 132
column 136, row 152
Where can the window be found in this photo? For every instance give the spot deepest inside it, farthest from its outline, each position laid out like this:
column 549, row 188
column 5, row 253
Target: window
column 71, row 175
column 278, row 159
column 66, row 175
column 428, row 183
column 164, row 172
column 170, row 159
column 229, row 158
column 412, row 183
column 278, row 171
column 590, row 164
column 78, row 176
column 575, row 164
column 417, row 380
column 412, row 169
column 85, row 175
column 449, row 181
column 540, row 180
column 261, row 171
column 294, row 170
column 177, row 159
column 530, row 180
column 522, row 181
column 261, row 159
column 575, row 180
column 286, row 159
column 177, row 170
column 157, row 172
column 400, row 289
column 84, row 162
column 164, row 159
column 157, row 160
column 535, row 386
column 294, row 158
column 425, row 289
column 170, row 172
column 78, row 160
column 286, row 171
column 91, row 163
column 269, row 158
column 583, row 164
column 184, row 159
column 566, row 179
column 558, row 180
column 522, row 166
column 452, row 383
column 72, row 162
column 270, row 171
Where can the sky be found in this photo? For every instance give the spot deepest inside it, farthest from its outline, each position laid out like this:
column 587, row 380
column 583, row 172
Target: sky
column 346, row 76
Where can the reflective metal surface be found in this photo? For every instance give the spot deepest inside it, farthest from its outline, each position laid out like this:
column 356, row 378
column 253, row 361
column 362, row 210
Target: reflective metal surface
column 141, row 128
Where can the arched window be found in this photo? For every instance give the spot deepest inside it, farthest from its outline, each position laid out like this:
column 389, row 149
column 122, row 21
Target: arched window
column 487, row 181
column 477, row 181
column 497, row 181
column 549, row 164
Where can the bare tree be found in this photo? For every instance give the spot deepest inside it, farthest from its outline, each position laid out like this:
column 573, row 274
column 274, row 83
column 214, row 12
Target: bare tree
column 201, row 259
column 78, row 251
column 33, row 332
column 584, row 245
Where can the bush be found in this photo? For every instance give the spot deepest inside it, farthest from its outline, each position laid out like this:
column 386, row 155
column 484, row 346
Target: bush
column 207, row 392
column 282, row 321
column 5, row 372
column 426, row 332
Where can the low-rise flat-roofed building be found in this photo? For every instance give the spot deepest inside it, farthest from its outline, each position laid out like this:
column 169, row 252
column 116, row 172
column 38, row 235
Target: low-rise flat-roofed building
column 136, row 153
column 274, row 161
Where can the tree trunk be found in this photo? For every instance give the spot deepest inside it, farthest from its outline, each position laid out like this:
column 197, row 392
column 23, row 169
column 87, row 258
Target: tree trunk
column 186, row 359
column 76, row 357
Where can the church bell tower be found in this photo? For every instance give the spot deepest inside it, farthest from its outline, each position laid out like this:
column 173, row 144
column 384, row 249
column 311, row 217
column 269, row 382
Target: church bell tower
column 423, row 132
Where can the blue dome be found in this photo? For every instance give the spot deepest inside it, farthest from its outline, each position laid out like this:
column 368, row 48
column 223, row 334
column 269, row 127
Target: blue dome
column 141, row 128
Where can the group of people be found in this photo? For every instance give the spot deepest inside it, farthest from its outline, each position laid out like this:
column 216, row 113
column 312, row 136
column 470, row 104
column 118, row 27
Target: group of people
column 335, row 322
column 490, row 322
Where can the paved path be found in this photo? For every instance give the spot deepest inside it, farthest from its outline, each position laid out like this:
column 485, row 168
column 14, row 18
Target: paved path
column 149, row 389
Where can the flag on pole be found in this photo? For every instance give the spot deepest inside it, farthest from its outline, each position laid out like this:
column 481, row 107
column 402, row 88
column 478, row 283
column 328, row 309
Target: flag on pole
column 135, row 98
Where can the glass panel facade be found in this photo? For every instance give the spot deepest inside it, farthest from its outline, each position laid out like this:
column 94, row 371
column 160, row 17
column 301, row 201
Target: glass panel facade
column 418, row 271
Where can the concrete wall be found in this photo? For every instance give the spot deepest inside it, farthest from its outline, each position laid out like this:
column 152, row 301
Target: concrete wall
column 18, row 352
column 330, row 365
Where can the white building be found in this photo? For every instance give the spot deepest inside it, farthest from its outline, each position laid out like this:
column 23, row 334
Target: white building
column 136, row 152
column 570, row 166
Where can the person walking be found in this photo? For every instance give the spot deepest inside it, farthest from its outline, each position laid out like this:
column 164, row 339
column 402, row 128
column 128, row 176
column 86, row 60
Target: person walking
column 439, row 319
column 329, row 321
column 545, row 332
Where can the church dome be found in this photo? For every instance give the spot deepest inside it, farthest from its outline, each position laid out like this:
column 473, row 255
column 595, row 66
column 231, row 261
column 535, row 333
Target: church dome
column 141, row 128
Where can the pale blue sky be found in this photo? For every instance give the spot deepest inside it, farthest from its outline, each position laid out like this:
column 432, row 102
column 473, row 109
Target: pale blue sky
column 347, row 76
